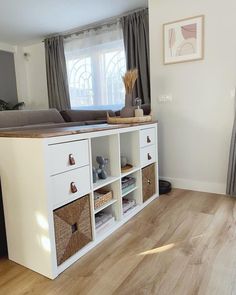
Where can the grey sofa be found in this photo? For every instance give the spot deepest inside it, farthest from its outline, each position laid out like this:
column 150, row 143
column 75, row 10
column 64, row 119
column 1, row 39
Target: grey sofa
column 89, row 117
column 35, row 119
column 22, row 118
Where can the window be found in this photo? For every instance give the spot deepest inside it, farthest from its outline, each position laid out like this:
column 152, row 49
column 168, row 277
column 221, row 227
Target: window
column 95, row 65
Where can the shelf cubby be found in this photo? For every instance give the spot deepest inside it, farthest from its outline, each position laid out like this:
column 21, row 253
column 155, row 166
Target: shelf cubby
column 107, row 147
column 129, row 148
column 132, row 196
column 129, row 212
column 110, row 210
column 113, row 204
column 137, row 176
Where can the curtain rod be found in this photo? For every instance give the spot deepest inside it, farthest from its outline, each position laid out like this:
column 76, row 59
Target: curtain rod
column 101, row 23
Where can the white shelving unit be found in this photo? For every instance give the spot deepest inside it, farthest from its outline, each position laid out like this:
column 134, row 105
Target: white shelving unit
column 31, row 242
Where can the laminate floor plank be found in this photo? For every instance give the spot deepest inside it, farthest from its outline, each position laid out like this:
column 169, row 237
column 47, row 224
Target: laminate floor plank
column 184, row 243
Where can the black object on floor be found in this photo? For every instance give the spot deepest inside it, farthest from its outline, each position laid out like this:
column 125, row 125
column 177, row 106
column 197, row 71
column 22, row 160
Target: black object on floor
column 3, row 240
column 164, row 187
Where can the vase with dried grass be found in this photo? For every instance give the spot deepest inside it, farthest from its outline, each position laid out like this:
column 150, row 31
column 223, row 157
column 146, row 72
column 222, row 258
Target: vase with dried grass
column 129, row 80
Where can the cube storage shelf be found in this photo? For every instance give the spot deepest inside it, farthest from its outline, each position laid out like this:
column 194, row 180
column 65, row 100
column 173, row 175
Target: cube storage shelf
column 54, row 198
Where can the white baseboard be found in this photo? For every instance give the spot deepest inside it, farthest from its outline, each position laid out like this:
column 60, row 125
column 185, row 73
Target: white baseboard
column 209, row 187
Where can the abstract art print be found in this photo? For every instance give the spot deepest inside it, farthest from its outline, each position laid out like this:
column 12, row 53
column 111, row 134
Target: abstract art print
column 183, row 40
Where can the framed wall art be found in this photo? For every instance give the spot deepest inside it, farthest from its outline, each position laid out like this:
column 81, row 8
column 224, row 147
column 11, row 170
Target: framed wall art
column 184, row 40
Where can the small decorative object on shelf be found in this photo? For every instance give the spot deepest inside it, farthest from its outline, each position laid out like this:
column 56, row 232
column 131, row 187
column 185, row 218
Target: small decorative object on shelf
column 123, row 161
column 95, row 175
column 138, row 112
column 127, row 168
column 101, row 197
column 129, row 80
column 102, row 173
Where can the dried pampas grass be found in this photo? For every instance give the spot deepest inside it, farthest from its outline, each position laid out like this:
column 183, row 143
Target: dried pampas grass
column 129, row 80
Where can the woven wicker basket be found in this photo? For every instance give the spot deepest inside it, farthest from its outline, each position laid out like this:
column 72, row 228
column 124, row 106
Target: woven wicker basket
column 148, row 182
column 105, row 198
column 73, row 228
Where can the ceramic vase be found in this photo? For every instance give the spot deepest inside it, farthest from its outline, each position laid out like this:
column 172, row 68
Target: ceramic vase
column 128, row 110
column 128, row 100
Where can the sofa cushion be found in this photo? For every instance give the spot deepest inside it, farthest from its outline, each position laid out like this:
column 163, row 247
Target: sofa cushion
column 43, row 126
column 94, row 122
column 85, row 115
column 29, row 117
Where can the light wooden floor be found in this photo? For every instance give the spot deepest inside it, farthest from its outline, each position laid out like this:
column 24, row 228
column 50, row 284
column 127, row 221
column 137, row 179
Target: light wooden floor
column 184, row 243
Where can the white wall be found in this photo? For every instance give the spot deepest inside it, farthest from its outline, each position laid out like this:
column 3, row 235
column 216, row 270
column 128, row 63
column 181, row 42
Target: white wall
column 31, row 76
column 7, row 47
column 195, row 128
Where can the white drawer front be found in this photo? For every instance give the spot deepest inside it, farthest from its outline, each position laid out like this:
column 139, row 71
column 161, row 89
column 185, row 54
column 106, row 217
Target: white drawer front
column 68, row 155
column 147, row 137
column 68, row 186
column 148, row 155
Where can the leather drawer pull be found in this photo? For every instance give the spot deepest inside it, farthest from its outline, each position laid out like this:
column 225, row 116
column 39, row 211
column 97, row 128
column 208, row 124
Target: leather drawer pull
column 71, row 159
column 148, row 139
column 149, row 156
column 73, row 188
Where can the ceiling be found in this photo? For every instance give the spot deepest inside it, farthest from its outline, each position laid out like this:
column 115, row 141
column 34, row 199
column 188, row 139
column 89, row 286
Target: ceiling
column 25, row 21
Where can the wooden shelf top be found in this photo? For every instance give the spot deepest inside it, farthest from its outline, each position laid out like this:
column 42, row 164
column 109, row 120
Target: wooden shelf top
column 62, row 131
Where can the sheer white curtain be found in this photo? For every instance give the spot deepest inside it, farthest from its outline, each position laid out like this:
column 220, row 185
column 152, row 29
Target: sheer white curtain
column 95, row 63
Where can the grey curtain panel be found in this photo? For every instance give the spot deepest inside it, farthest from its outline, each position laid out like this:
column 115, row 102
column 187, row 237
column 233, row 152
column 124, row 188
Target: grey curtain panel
column 136, row 40
column 231, row 178
column 58, row 90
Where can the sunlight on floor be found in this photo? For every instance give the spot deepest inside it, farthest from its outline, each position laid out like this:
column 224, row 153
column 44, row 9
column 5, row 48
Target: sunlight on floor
column 158, row 250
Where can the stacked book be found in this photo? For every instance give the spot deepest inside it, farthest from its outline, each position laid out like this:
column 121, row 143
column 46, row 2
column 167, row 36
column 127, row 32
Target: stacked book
column 103, row 220
column 128, row 183
column 128, row 204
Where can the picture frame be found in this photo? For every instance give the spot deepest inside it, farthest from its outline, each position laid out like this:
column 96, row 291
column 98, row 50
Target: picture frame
column 183, row 40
